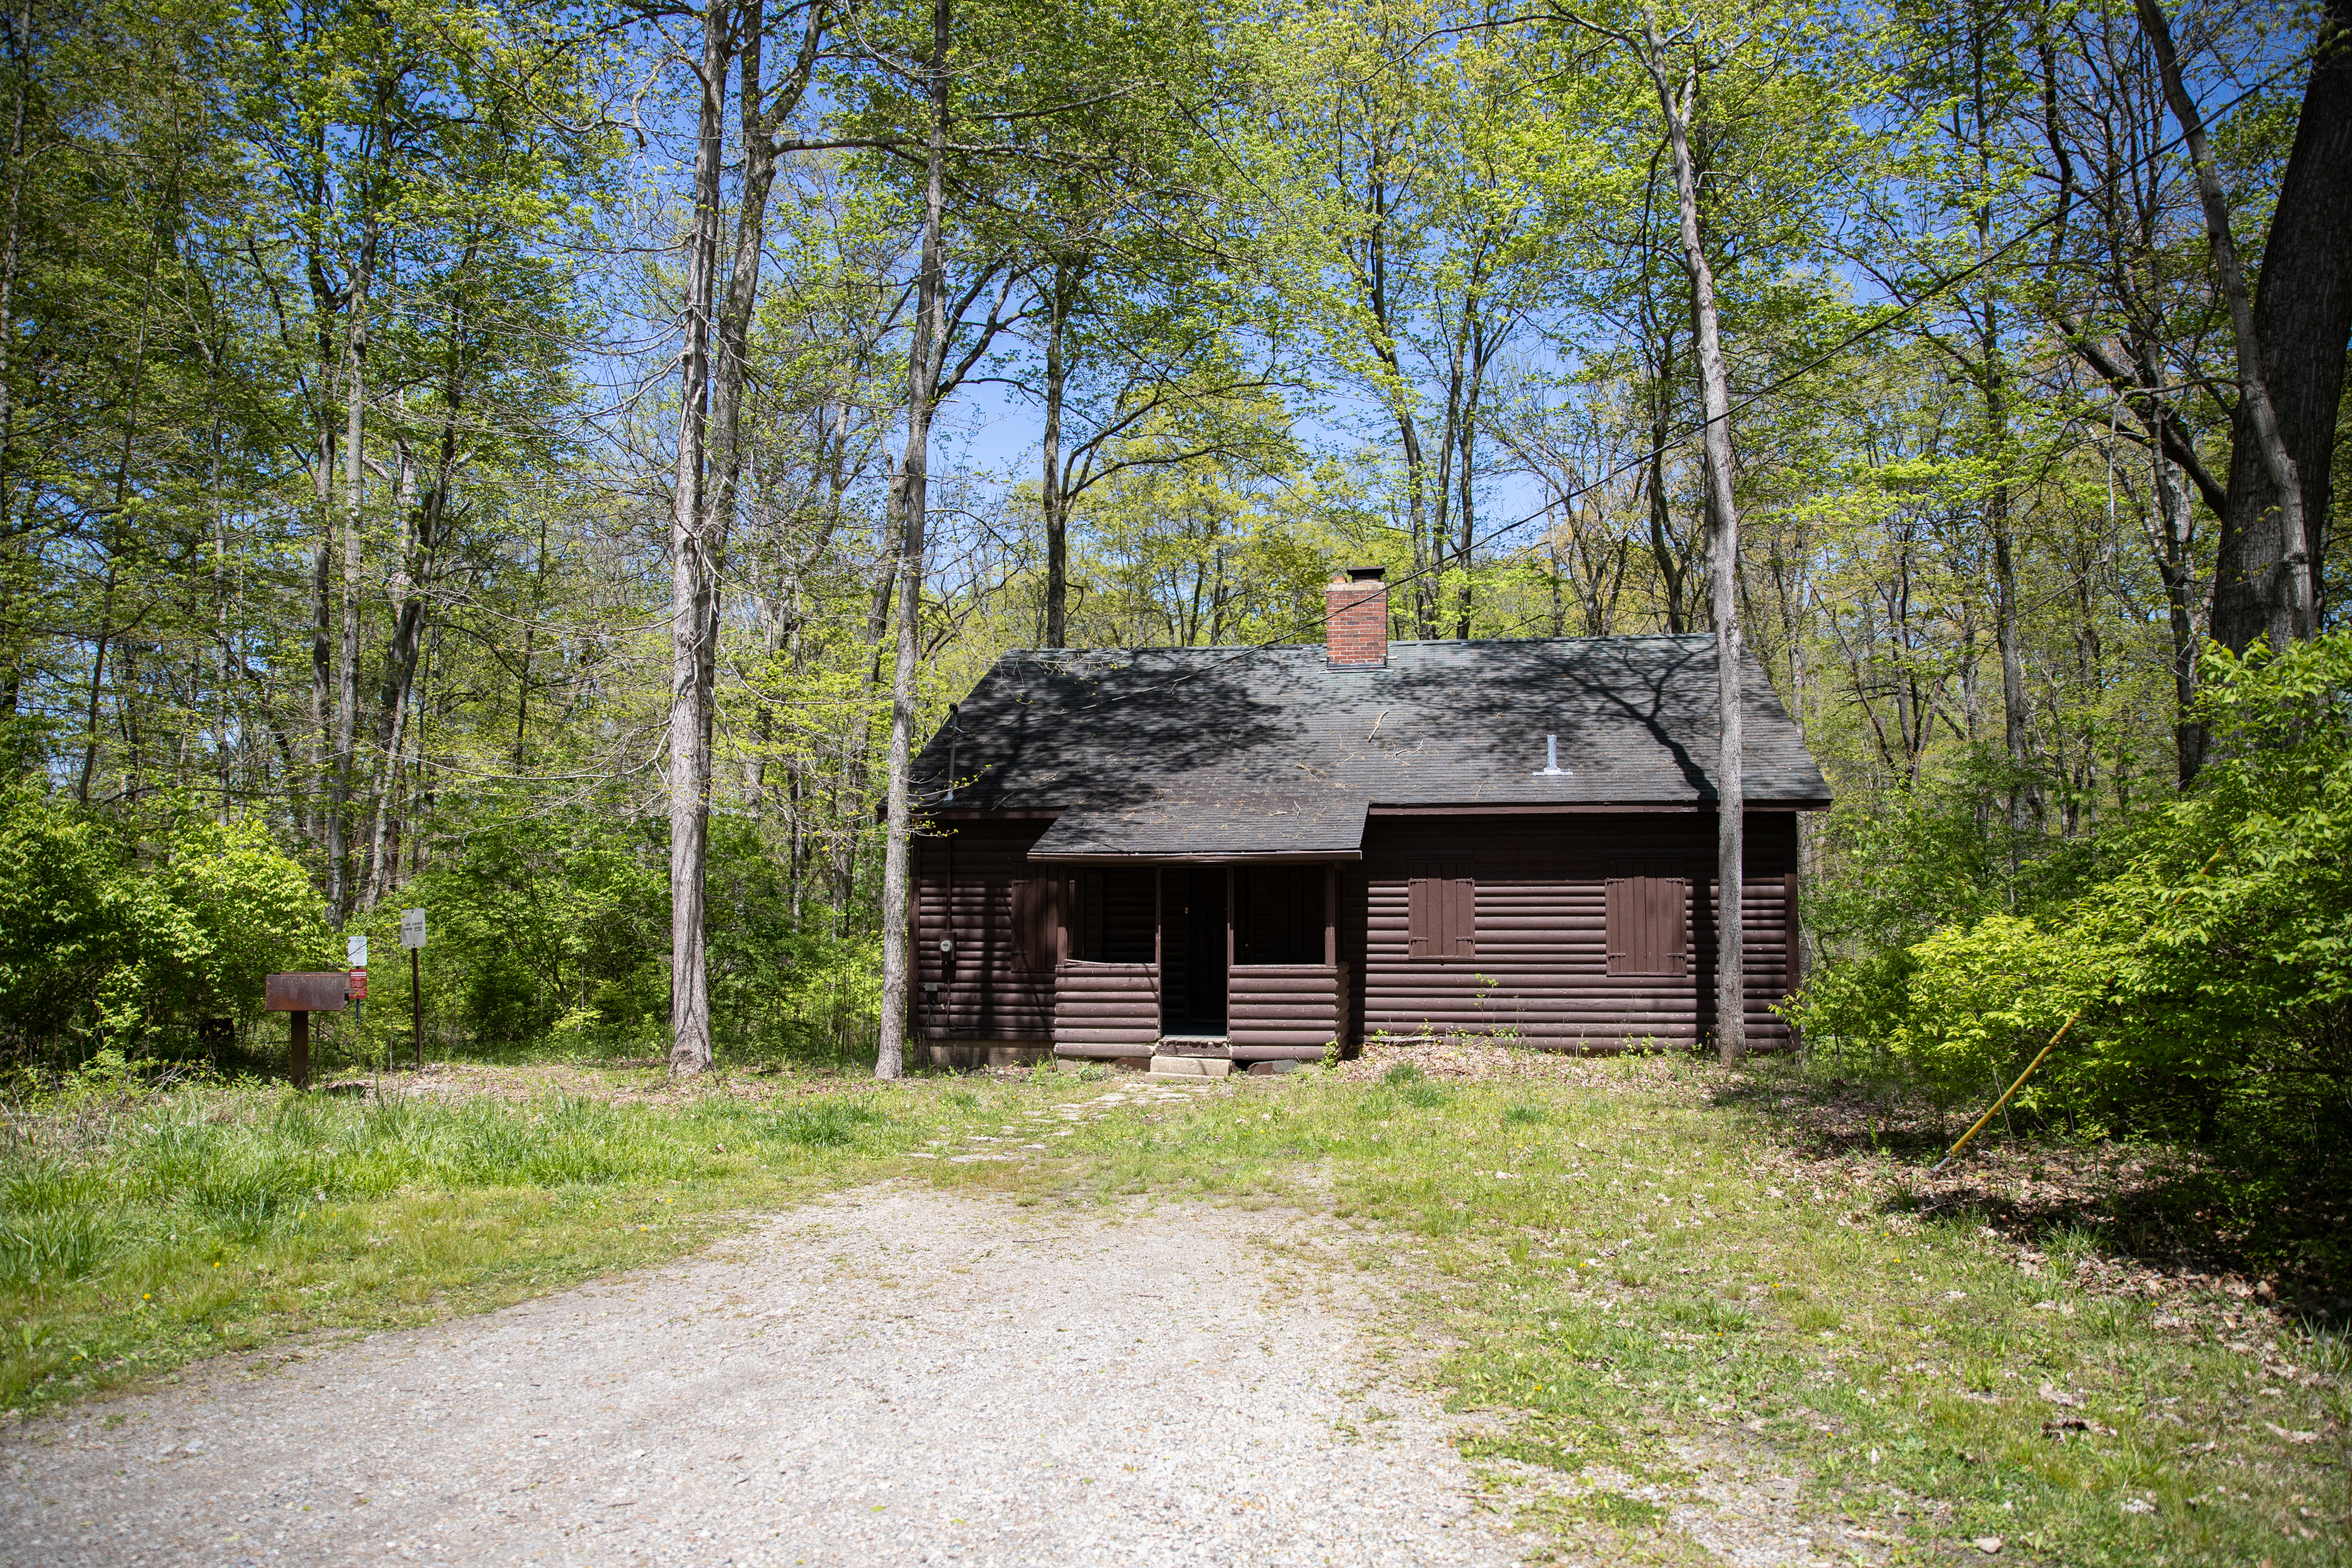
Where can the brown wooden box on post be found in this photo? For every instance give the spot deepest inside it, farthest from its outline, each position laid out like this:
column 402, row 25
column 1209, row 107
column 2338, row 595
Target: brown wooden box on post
column 325, row 992
column 302, row 994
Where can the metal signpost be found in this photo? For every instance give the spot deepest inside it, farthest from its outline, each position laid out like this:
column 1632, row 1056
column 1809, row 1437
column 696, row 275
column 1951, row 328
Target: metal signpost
column 412, row 936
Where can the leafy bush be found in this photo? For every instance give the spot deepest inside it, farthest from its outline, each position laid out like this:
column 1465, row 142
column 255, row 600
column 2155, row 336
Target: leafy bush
column 124, row 931
column 553, row 927
column 2208, row 966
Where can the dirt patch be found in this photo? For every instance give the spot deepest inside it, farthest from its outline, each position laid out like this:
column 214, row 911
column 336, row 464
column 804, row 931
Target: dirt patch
column 1465, row 1057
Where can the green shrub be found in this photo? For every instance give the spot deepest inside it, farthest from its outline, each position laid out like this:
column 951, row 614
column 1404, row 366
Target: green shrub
column 126, row 932
column 2209, row 966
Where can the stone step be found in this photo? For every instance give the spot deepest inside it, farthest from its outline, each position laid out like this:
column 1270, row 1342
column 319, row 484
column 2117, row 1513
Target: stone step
column 1192, row 1068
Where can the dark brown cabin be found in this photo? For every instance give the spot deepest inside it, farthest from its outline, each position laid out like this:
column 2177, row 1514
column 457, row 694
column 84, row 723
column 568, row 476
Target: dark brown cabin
column 1250, row 854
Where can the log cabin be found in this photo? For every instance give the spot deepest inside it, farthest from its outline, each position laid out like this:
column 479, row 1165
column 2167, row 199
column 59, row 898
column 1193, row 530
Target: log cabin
column 1206, row 859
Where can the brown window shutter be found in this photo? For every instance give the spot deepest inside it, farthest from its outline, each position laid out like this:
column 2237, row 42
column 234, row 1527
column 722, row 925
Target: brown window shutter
column 1671, row 922
column 1648, row 925
column 1461, row 930
column 1420, row 917
column 1035, row 921
column 1024, row 922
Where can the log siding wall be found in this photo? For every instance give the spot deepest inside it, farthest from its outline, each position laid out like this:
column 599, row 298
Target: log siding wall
column 1540, row 894
column 1106, row 1010
column 989, row 987
column 1538, row 889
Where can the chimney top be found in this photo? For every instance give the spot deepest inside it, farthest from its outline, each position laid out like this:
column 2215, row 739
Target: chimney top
column 1356, row 620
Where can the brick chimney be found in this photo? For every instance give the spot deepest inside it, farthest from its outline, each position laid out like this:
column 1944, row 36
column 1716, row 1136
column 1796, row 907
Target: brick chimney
column 1356, row 620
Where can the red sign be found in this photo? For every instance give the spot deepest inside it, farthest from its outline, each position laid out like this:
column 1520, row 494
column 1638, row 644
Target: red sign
column 358, row 991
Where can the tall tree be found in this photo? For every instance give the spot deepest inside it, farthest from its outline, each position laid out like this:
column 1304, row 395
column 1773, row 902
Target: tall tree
column 1678, row 90
column 926, row 350
column 693, row 574
column 2293, row 340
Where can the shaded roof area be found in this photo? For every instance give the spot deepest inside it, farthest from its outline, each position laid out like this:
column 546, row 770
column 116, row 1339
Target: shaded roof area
column 1445, row 723
column 1205, row 827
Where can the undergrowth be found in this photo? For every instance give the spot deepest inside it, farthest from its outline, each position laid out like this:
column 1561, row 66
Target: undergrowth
column 153, row 1227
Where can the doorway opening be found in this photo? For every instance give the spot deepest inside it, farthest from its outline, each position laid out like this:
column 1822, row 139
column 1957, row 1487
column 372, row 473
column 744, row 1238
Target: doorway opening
column 1192, row 952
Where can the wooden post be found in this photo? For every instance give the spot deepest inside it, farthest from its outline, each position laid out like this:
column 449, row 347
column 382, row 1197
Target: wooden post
column 297, row 1054
column 1229, row 933
column 416, row 1002
column 1159, row 968
column 1331, row 916
column 1229, row 952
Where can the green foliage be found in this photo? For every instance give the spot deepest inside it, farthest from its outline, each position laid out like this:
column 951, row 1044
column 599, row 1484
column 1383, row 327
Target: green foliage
column 128, row 932
column 2209, row 963
column 549, row 930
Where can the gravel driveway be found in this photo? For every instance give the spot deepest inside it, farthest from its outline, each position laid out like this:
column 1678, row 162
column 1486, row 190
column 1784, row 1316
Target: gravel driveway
column 893, row 1376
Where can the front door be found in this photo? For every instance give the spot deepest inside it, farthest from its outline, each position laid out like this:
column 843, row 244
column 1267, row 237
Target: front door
column 1193, row 951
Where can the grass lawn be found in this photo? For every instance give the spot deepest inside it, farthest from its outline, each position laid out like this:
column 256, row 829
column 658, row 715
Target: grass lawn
column 1627, row 1271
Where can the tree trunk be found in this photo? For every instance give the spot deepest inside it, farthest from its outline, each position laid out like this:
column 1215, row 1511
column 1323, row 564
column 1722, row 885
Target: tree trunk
column 2006, row 639
column 2272, row 566
column 2177, row 564
column 1055, row 503
column 391, row 713
column 20, row 48
column 347, row 689
column 1723, row 566
column 404, row 647
column 1465, row 521
column 922, row 384
column 689, row 997
column 97, row 681
column 1425, row 545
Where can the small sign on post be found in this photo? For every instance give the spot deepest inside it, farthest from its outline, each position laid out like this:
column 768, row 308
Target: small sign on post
column 412, row 936
column 302, row 994
column 355, row 956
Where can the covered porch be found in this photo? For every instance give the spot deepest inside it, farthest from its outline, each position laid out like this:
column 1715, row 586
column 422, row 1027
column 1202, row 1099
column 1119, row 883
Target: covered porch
column 1201, row 932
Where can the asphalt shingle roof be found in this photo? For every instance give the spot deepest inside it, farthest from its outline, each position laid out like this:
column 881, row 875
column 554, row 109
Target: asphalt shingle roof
column 1323, row 826
column 1445, row 723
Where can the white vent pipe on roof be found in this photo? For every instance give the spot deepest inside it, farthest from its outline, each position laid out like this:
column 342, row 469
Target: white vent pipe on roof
column 1552, row 768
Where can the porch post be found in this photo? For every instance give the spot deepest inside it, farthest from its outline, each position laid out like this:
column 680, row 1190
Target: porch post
column 1331, row 916
column 1229, row 935
column 1065, row 904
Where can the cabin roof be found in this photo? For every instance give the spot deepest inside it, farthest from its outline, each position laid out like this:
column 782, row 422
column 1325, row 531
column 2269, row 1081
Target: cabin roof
column 1144, row 748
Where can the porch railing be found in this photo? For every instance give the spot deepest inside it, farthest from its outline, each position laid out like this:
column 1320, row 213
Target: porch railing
column 1294, row 1010
column 1106, row 1010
